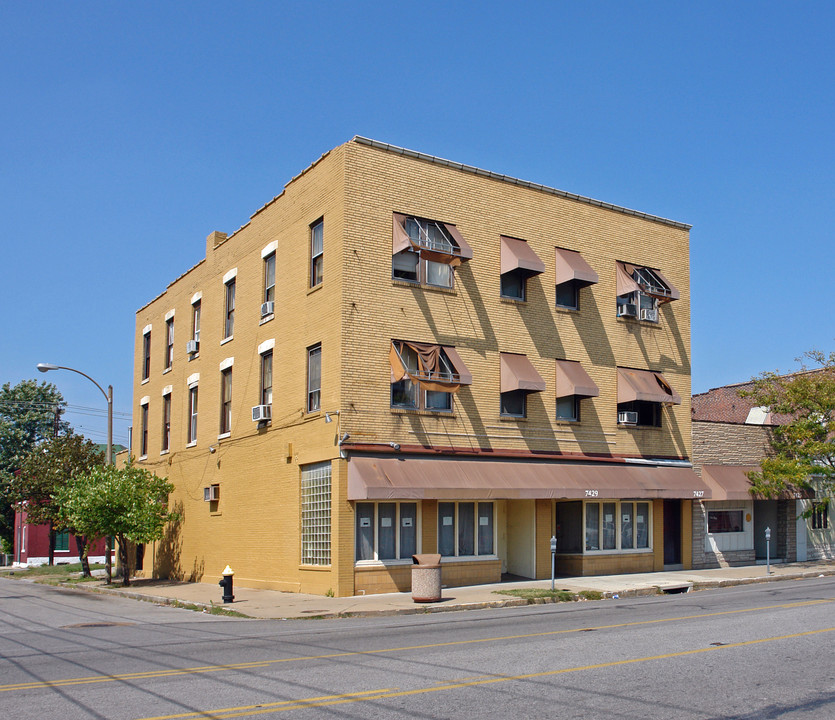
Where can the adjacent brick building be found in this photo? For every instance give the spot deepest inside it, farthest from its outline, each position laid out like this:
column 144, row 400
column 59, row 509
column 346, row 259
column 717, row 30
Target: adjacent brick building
column 402, row 354
column 730, row 437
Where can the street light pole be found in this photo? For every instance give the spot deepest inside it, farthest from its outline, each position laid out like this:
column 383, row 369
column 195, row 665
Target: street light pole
column 108, row 451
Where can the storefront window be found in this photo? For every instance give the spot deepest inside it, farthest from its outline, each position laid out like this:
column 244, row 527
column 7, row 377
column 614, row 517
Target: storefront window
column 608, row 526
column 460, row 533
column 724, row 521
column 386, row 531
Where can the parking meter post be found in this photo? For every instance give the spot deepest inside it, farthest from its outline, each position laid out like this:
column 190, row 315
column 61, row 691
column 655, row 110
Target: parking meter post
column 553, row 559
column 768, row 551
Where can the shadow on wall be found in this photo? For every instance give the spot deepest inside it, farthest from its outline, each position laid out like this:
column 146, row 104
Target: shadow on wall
column 167, row 566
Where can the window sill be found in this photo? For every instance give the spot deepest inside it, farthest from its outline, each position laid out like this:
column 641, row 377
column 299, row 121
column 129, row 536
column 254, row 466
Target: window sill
column 164, row 452
column 166, row 371
column 316, row 568
column 513, row 418
column 567, row 308
column 193, row 357
column 315, row 288
column 266, row 318
column 424, row 286
column 622, row 426
column 566, row 421
column 223, row 436
column 468, row 558
column 146, row 380
column 191, row 444
column 430, row 413
column 142, row 457
column 627, row 551
column 381, row 563
column 227, row 339
column 512, row 300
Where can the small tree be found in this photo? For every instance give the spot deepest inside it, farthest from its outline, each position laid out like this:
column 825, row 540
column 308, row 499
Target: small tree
column 804, row 445
column 129, row 503
column 48, row 467
column 29, row 413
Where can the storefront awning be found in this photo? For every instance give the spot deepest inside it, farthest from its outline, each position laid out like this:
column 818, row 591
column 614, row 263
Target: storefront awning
column 388, row 478
column 518, row 373
column 645, row 385
column 573, row 380
column 518, row 255
column 730, row 482
column 571, row 266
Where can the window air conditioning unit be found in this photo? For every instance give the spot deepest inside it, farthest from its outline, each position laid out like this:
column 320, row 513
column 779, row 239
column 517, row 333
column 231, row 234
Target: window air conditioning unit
column 627, row 417
column 267, row 308
column 650, row 314
column 261, row 412
column 627, row 310
column 192, row 346
column 211, row 493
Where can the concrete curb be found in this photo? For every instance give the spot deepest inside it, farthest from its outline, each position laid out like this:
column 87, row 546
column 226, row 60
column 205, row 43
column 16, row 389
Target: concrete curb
column 419, row 609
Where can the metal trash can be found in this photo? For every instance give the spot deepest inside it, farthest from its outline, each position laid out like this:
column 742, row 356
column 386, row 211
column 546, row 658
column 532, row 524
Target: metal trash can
column 426, row 578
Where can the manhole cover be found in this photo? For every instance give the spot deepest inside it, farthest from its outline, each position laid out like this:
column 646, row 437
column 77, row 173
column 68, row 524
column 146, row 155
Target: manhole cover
column 97, row 625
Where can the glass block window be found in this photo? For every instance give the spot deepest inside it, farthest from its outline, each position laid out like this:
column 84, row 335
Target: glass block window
column 316, row 514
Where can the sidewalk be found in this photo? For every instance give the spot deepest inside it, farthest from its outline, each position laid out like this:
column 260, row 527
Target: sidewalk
column 271, row 604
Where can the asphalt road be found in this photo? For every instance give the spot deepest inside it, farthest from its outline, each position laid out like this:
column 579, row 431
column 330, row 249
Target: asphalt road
column 754, row 652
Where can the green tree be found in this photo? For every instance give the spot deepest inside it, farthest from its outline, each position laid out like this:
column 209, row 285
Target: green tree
column 803, row 445
column 47, row 468
column 128, row 503
column 29, row 413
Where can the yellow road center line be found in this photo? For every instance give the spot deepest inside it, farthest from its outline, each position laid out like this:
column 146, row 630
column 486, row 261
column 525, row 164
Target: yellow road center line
column 327, row 701
column 153, row 674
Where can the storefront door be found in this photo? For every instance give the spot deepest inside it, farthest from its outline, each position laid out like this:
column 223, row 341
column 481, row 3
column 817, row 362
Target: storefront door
column 672, row 532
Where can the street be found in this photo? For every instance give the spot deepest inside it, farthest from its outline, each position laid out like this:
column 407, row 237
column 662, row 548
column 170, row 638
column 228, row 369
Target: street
column 752, row 651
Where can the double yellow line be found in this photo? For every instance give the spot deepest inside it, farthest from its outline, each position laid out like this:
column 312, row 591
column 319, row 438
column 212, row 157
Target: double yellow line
column 152, row 674
column 384, row 694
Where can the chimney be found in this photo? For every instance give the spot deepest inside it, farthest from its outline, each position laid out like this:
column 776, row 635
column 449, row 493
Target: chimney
column 214, row 239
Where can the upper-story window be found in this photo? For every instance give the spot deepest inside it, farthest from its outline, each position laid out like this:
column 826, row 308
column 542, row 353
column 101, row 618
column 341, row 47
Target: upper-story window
column 314, row 378
column 317, row 236
column 518, row 378
column 193, row 345
column 641, row 290
column 572, row 274
column 226, row 401
column 229, row 309
column 267, row 378
column 146, row 353
column 641, row 395
column 269, row 278
column 143, row 427
column 426, row 251
column 166, row 422
column 425, row 377
column 192, row 413
column 518, row 263
column 169, row 343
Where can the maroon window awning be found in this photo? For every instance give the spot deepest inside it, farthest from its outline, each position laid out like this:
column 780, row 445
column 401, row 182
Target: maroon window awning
column 573, row 380
column 570, row 265
column 645, row 385
column 518, row 255
column 400, row 241
column 518, row 373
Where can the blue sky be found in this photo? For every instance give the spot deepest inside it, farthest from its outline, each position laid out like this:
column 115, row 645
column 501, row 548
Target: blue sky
column 130, row 131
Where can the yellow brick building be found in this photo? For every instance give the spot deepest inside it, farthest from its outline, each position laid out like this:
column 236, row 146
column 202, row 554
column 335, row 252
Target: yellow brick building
column 401, row 354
